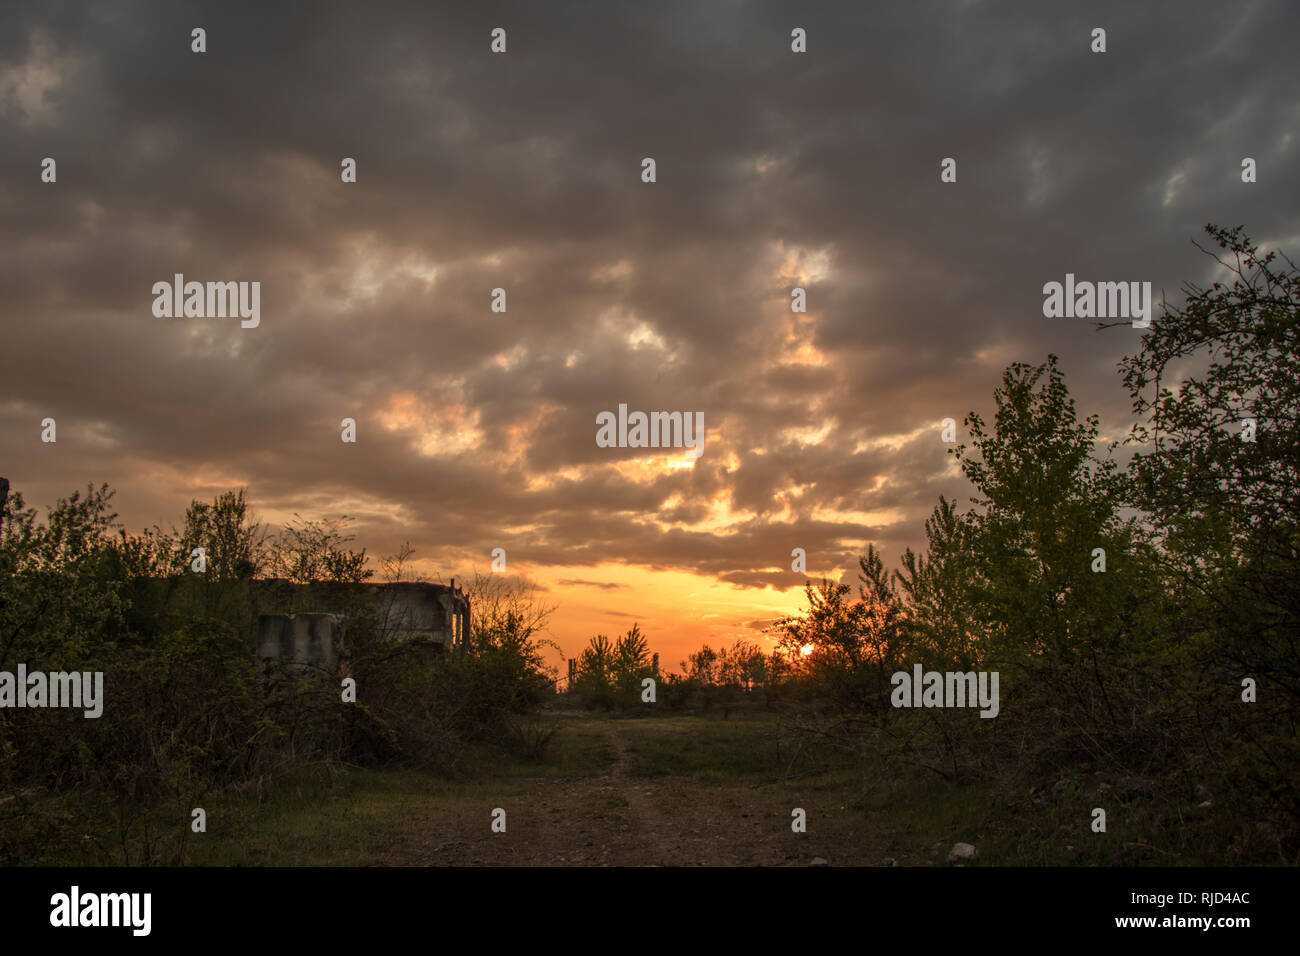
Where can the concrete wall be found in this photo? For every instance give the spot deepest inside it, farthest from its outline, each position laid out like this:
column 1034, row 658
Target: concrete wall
column 412, row 610
column 301, row 640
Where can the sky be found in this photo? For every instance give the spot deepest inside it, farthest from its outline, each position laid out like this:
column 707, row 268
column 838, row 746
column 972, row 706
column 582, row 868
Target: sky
column 523, row 170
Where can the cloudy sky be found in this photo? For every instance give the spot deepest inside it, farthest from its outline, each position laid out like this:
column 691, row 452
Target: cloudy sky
column 522, row 170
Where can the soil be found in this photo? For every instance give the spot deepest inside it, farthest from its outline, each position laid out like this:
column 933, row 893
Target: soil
column 617, row 819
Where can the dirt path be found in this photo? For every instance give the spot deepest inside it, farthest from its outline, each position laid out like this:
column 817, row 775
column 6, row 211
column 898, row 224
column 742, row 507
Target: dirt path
column 618, row 819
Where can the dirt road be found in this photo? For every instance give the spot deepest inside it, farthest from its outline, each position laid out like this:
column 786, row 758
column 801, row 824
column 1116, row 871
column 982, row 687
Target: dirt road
column 617, row 818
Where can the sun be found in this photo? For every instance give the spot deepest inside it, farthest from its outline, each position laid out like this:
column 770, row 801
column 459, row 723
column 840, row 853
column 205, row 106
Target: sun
column 806, row 650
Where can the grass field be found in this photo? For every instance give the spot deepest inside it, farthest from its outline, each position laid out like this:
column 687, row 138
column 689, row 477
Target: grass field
column 676, row 790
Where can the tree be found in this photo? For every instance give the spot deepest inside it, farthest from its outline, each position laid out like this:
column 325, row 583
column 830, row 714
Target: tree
column 630, row 662
column 594, row 682
column 610, row 672
column 1047, row 503
column 938, row 588
column 307, row 551
column 832, row 645
column 59, row 593
column 1225, row 510
column 1229, row 354
column 232, row 541
column 743, row 665
column 700, row 666
column 508, row 612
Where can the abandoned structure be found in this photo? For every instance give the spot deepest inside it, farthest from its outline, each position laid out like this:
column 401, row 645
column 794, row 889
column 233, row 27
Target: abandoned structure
column 301, row 641
column 317, row 638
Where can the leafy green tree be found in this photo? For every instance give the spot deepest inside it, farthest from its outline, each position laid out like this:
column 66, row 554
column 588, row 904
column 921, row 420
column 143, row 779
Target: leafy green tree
column 232, row 541
column 506, row 643
column 1067, row 631
column 1047, row 504
column 610, row 672
column 1225, row 510
column 594, row 682
column 938, row 587
column 701, row 666
column 1230, row 353
column 307, row 551
column 743, row 665
column 630, row 661
column 833, row 646
column 596, row 662
column 60, row 595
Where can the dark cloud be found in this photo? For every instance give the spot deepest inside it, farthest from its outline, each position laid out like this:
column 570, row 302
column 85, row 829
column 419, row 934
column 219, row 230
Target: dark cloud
column 476, row 429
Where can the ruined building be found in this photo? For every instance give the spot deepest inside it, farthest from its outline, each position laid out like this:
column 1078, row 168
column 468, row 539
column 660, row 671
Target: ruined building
column 317, row 637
